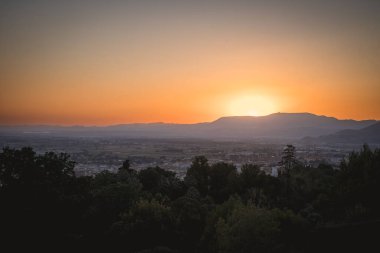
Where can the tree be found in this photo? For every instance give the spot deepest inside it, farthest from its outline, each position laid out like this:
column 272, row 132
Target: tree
column 40, row 195
column 358, row 185
column 112, row 194
column 250, row 229
column 288, row 160
column 256, row 187
column 156, row 180
column 189, row 213
column 147, row 225
column 126, row 168
column 197, row 175
column 222, row 181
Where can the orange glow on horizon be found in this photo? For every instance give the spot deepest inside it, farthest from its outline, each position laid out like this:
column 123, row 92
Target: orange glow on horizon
column 188, row 63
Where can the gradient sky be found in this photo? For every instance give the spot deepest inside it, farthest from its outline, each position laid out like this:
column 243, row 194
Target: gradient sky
column 108, row 62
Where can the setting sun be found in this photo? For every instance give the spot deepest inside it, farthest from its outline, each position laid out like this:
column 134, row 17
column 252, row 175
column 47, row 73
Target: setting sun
column 251, row 105
column 189, row 62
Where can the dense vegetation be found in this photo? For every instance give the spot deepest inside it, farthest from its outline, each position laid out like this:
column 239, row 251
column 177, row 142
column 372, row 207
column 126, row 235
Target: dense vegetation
column 214, row 208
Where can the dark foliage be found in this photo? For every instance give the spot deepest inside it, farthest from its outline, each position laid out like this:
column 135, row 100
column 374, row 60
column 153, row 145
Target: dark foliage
column 214, row 209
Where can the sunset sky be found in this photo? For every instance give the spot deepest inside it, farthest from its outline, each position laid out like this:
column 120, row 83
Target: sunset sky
column 109, row 62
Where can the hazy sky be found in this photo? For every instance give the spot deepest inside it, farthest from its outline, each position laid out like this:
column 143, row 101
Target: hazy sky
column 106, row 62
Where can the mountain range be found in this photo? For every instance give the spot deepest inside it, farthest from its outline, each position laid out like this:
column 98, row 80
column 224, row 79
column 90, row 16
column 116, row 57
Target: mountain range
column 274, row 126
column 370, row 134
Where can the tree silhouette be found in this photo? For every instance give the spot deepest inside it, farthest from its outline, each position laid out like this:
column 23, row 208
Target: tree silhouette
column 197, row 175
column 214, row 209
column 288, row 160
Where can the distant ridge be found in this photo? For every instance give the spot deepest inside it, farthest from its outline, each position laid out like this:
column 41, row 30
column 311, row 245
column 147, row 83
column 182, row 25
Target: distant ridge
column 370, row 134
column 277, row 125
column 300, row 118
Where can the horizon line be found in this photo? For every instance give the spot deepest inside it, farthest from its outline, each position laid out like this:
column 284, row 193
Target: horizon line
column 174, row 123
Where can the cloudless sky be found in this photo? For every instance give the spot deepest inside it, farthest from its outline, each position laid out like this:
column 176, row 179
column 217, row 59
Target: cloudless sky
column 108, row 62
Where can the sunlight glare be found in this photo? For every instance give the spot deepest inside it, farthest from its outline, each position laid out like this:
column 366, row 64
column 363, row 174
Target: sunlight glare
column 251, row 105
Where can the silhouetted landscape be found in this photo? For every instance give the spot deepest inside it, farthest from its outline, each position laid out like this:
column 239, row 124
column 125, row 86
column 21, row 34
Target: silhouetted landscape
column 163, row 194
column 214, row 208
column 200, row 126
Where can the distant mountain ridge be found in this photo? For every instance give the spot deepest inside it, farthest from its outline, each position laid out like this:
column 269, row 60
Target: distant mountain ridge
column 277, row 125
column 370, row 134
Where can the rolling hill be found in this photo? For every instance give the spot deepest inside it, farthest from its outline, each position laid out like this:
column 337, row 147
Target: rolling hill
column 370, row 135
column 274, row 126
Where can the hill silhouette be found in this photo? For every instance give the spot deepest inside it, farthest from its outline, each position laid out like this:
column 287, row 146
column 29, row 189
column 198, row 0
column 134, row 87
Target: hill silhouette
column 370, row 134
column 277, row 125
